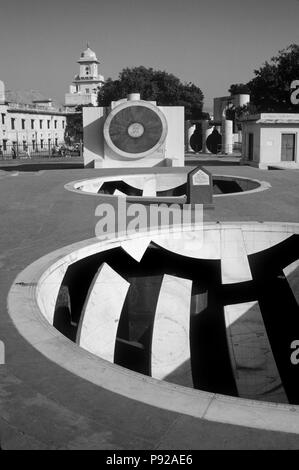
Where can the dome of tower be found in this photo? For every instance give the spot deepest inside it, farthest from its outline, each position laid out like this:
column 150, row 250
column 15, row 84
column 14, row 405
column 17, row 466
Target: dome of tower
column 88, row 55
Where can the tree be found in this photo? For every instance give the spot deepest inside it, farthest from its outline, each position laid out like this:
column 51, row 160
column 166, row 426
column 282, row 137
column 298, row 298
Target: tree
column 270, row 88
column 239, row 88
column 154, row 85
column 245, row 110
column 74, row 126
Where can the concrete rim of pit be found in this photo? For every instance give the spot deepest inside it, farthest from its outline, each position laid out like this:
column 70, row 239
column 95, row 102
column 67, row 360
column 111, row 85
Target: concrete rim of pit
column 73, row 186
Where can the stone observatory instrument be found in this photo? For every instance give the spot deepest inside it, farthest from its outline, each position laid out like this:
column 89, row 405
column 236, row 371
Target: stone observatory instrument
column 135, row 129
column 134, row 133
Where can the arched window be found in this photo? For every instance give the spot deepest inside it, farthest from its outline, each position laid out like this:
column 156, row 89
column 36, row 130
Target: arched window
column 87, row 70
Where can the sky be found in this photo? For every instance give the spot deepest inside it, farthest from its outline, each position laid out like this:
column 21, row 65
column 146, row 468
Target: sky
column 210, row 43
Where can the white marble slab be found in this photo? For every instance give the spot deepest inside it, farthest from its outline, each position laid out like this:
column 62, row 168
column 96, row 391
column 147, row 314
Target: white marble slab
column 101, row 313
column 256, row 241
column 234, row 262
column 170, row 181
column 200, row 244
column 254, row 366
column 164, row 181
column 170, row 340
column 90, row 186
column 150, row 186
column 136, row 181
column 292, row 275
column 136, row 248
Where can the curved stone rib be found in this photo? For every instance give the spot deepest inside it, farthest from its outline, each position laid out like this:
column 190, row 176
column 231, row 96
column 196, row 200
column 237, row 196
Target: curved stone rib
column 136, row 247
column 234, row 261
column 253, row 363
column 171, row 338
column 101, row 313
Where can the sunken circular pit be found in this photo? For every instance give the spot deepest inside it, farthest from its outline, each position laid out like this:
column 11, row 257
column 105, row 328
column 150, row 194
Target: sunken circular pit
column 147, row 186
column 222, row 317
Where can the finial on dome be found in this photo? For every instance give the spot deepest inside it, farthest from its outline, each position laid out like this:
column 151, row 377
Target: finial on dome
column 87, row 44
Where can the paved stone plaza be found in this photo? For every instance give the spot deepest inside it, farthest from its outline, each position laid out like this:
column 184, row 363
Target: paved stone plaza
column 44, row 406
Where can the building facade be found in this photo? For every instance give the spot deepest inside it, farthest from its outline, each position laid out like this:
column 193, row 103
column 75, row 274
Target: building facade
column 271, row 139
column 37, row 124
column 84, row 88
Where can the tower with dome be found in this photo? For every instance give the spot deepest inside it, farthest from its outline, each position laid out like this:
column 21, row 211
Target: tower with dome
column 84, row 87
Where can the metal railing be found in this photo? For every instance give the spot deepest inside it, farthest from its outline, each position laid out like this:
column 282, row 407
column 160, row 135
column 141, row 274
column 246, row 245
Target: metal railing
column 46, row 150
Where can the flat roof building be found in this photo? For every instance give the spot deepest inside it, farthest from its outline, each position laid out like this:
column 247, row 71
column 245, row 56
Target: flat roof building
column 29, row 119
column 271, row 139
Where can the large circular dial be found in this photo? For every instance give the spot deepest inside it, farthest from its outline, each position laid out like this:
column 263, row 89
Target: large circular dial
column 135, row 129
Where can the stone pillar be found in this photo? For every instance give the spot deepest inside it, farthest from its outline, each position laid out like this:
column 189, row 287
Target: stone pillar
column 133, row 97
column 206, row 131
column 241, row 99
column 227, row 136
column 189, row 131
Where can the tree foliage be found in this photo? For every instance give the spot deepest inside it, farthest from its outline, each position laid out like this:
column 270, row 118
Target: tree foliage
column 239, row 88
column 270, row 88
column 153, row 85
column 74, row 126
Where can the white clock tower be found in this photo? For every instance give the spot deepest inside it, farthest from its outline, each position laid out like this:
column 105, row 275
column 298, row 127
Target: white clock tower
column 84, row 88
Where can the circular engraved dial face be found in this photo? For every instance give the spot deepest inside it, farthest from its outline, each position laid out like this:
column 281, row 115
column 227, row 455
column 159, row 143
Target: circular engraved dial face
column 135, row 130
